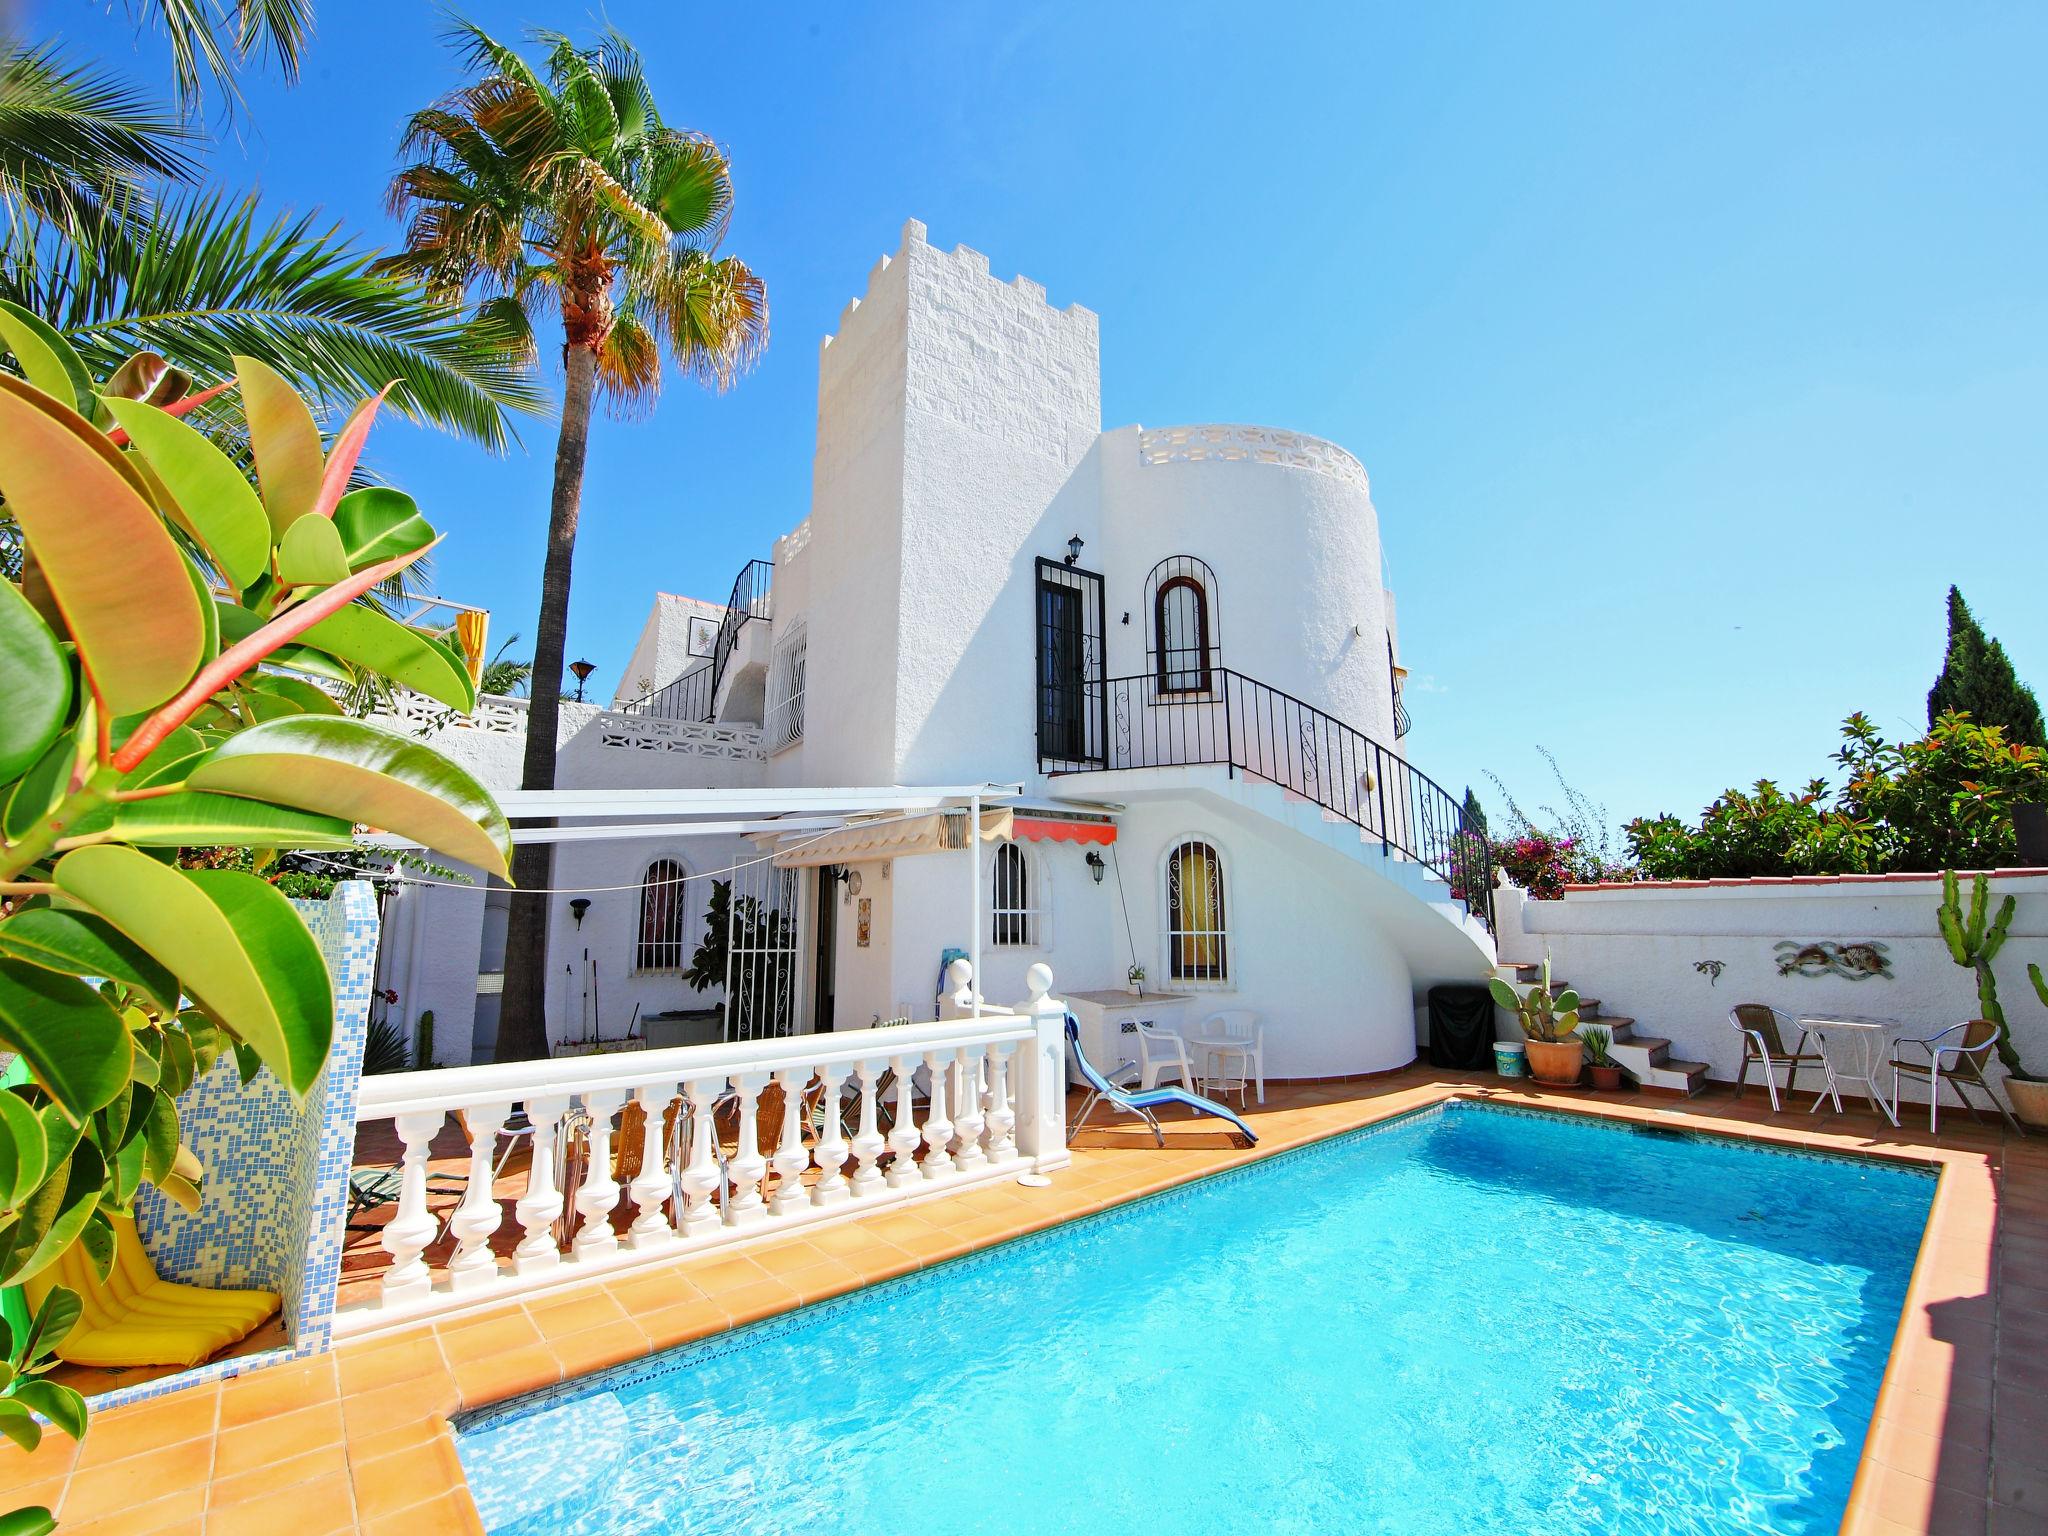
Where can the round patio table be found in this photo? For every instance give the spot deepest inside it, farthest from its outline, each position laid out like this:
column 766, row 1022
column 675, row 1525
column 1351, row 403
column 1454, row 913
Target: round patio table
column 1858, row 1049
column 1214, row 1049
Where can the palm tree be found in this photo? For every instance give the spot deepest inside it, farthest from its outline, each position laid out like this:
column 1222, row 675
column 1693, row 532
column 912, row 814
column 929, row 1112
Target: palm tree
column 219, row 36
column 559, row 189
column 71, row 135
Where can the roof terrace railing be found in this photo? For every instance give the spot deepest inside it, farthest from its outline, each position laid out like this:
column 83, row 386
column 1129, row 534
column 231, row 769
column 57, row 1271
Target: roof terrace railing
column 694, row 695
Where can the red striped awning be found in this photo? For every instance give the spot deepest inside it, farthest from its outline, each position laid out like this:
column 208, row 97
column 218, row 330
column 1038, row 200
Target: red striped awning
column 1047, row 830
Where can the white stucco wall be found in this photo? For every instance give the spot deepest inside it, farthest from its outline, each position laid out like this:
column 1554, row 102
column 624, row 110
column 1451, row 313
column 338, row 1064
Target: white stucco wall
column 1636, row 948
column 662, row 653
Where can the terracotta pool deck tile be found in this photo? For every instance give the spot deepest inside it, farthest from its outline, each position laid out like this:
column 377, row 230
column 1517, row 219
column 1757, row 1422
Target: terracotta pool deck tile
column 510, row 1374
column 595, row 1349
column 410, row 1402
column 149, row 1426
column 683, row 1323
column 479, row 1337
column 99, row 1491
column 179, row 1512
column 386, row 1362
column 387, row 1485
column 663, row 1286
column 317, row 1508
column 268, row 1477
column 573, row 1311
column 248, row 1447
column 279, row 1389
column 446, row 1514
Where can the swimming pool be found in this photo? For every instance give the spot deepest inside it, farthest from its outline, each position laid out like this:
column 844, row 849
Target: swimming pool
column 1470, row 1319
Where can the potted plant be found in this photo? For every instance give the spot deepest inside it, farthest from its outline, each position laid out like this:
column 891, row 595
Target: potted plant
column 1605, row 1069
column 1974, row 939
column 1556, row 1054
column 1135, row 978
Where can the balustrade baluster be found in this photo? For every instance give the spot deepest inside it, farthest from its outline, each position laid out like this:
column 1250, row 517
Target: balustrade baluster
column 652, row 1184
column 938, row 1129
column 868, row 1145
column 599, row 1192
column 744, row 1205
column 699, row 1177
column 1002, row 1119
column 542, row 1202
column 970, row 1121
column 831, row 1187
column 790, row 1159
column 478, row 1215
column 903, row 1136
column 409, row 1231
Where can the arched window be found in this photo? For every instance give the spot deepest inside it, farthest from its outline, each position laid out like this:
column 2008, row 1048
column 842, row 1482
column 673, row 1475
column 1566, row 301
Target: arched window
column 1197, row 941
column 1186, row 642
column 662, row 940
column 1013, row 910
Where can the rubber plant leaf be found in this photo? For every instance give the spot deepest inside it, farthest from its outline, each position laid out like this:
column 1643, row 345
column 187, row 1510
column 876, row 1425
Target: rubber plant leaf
column 213, row 499
column 383, row 645
column 53, row 1321
column 292, row 695
column 196, row 819
column 238, row 623
column 377, row 522
column 233, row 941
column 148, row 377
column 80, row 944
column 23, row 1153
column 343, row 453
column 160, row 1132
column 116, row 575
column 61, row 1405
column 356, row 771
column 51, row 1218
column 285, row 440
column 46, row 358
column 310, row 554
column 36, row 676
column 70, row 1036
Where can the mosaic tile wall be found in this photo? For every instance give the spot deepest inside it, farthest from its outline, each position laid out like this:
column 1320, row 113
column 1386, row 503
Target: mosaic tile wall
column 277, row 1173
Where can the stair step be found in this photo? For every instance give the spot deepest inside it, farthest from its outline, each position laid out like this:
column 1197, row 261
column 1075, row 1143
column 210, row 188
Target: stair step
column 1686, row 1077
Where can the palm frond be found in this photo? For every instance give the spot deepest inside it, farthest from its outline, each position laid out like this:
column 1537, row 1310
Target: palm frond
column 713, row 313
column 209, row 38
column 200, row 279
column 72, row 135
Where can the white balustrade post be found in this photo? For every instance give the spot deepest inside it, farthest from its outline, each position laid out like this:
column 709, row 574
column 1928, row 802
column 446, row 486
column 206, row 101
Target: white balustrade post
column 651, row 1185
column 599, row 1192
column 1042, row 1077
column 903, row 1137
column 699, row 1177
column 938, row 1129
column 409, row 1231
column 831, row 1187
column 1002, row 1119
column 868, row 1145
column 744, row 1204
column 478, row 1216
column 968, row 1120
column 542, row 1202
column 790, row 1158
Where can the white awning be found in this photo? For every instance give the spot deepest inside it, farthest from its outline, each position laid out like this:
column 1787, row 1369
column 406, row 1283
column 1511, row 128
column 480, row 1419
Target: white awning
column 892, row 838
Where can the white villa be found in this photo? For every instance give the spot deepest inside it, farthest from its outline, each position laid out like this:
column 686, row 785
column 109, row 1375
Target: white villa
column 1169, row 652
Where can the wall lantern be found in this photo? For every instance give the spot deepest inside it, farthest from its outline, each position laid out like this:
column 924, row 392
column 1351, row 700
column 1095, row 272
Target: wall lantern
column 1074, row 548
column 578, row 907
column 582, row 669
column 1095, row 866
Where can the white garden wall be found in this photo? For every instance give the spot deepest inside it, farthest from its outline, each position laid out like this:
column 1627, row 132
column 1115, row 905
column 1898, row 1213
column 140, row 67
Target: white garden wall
column 1639, row 949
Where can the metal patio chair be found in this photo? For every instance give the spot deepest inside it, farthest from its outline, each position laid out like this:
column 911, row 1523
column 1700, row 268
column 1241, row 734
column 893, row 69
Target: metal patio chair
column 1954, row 1056
column 1763, row 1041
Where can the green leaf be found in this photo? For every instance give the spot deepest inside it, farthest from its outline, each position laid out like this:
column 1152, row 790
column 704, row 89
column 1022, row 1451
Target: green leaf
column 195, row 819
column 108, row 559
column 352, row 770
column 377, row 522
column 160, row 1133
column 60, row 1405
column 74, row 1043
column 310, row 554
column 45, row 356
column 52, row 1323
column 1504, row 994
column 36, row 676
column 369, row 639
column 238, row 623
column 232, row 940
column 285, row 440
column 80, row 944
column 212, row 498
column 97, row 1238
column 19, row 1426
column 37, row 791
column 24, row 1157
column 50, row 1220
column 289, row 696
column 29, row 1520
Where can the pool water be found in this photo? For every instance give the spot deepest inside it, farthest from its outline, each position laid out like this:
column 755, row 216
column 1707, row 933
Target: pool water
column 1469, row 1320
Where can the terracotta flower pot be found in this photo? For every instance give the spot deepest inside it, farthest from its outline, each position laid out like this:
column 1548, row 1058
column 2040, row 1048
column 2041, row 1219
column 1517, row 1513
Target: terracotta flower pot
column 2029, row 1099
column 1557, row 1062
column 1606, row 1078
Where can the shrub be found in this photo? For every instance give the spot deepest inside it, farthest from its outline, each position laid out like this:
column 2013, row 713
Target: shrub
column 1539, row 863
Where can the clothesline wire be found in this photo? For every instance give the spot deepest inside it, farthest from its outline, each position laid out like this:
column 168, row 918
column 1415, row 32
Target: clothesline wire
column 599, row 890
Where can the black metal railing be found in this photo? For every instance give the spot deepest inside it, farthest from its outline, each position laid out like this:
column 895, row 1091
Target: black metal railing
column 1253, row 728
column 694, row 695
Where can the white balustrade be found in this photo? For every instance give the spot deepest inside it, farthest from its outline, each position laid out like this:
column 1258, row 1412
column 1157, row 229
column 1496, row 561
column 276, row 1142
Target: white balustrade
column 932, row 1108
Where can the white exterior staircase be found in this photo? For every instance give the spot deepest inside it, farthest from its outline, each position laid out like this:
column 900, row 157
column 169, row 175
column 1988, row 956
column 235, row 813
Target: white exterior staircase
column 1645, row 1058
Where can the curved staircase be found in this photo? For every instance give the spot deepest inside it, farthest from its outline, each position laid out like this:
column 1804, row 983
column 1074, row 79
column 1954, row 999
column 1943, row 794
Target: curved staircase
column 1645, row 1058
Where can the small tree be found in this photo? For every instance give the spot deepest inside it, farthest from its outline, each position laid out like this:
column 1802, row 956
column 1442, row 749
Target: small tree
column 1977, row 678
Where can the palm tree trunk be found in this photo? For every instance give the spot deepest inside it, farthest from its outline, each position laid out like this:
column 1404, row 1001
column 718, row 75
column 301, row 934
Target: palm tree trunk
column 522, row 1017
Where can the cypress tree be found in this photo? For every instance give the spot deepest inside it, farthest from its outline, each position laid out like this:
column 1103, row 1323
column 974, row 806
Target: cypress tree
column 1977, row 677
column 1474, row 816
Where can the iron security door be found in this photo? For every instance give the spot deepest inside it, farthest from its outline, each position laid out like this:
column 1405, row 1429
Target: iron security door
column 1072, row 727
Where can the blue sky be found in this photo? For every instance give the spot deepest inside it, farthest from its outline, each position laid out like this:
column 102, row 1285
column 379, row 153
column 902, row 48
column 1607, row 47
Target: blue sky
column 1692, row 351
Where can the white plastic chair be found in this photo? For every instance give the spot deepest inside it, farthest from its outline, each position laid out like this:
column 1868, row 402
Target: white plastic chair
column 1246, row 1052
column 1161, row 1052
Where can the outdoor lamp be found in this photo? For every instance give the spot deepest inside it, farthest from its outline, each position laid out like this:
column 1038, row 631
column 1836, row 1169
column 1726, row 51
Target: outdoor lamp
column 582, row 669
column 1095, row 866
column 1074, row 549
column 578, row 907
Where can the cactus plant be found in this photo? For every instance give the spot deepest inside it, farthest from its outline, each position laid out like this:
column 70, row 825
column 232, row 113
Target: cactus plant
column 1546, row 1019
column 1974, row 938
